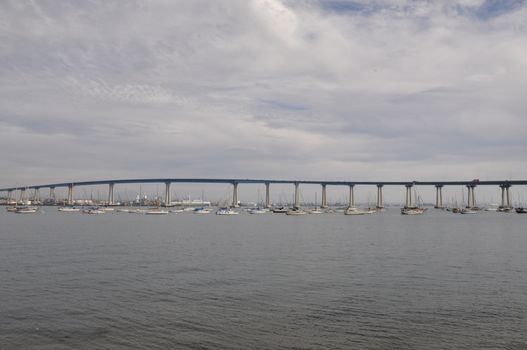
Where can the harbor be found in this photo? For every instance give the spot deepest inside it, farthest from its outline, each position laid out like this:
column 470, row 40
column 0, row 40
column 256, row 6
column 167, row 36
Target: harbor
column 28, row 199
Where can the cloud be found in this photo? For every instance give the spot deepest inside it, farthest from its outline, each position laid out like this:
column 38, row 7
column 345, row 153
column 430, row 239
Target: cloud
column 263, row 88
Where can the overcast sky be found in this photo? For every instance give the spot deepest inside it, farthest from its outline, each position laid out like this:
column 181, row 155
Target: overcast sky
column 296, row 89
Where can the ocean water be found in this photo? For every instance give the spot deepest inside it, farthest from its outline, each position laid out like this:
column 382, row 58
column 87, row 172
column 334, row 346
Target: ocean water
column 185, row 281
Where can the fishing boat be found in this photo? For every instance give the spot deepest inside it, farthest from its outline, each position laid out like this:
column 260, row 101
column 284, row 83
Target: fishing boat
column 226, row 211
column 69, row 209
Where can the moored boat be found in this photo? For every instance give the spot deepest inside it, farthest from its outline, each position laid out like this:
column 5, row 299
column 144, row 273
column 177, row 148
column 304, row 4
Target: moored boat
column 467, row 211
column 296, row 211
column 280, row 210
column 93, row 211
column 26, row 210
column 412, row 211
column 201, row 211
column 69, row 209
column 258, row 211
column 226, row 211
column 156, row 211
column 521, row 210
column 357, row 211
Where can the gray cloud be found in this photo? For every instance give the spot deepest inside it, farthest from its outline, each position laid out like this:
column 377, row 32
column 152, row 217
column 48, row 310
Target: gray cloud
column 262, row 88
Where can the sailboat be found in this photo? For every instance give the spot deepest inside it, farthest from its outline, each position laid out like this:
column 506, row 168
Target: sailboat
column 413, row 210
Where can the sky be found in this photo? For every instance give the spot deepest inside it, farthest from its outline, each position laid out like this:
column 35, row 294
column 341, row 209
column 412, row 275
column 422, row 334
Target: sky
column 292, row 89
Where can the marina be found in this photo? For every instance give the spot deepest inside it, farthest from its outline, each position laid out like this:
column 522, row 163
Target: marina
column 412, row 204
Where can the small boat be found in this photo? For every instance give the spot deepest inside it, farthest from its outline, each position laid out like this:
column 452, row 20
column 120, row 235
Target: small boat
column 93, row 211
column 124, row 210
column 505, row 209
column 26, row 210
column 521, row 210
column 201, row 211
column 280, row 210
column 467, row 211
column 258, row 211
column 226, row 211
column 156, row 211
column 357, row 211
column 412, row 211
column 177, row 210
column 107, row 209
column 11, row 209
column 316, row 211
column 69, row 209
column 296, row 211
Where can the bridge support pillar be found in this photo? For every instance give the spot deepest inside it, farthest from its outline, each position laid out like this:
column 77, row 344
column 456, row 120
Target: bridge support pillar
column 297, row 196
column 9, row 196
column 506, row 202
column 70, row 194
column 52, row 194
column 110, row 194
column 36, row 195
column 235, row 195
column 168, row 200
column 380, row 199
column 267, row 195
column 408, row 201
column 324, row 196
column 471, row 200
column 439, row 197
column 351, row 198
column 22, row 194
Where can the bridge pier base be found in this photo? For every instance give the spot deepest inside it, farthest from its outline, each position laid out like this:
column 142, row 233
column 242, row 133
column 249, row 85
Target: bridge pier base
column 52, row 194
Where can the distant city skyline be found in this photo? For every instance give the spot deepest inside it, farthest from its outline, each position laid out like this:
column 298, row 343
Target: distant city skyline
column 302, row 89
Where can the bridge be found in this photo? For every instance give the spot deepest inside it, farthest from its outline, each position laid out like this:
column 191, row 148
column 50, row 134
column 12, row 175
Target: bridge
column 504, row 185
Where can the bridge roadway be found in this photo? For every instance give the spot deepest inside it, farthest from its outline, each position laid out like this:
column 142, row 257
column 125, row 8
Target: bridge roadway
column 503, row 184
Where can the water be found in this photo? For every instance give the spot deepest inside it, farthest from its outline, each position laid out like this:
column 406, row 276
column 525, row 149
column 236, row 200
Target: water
column 184, row 281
